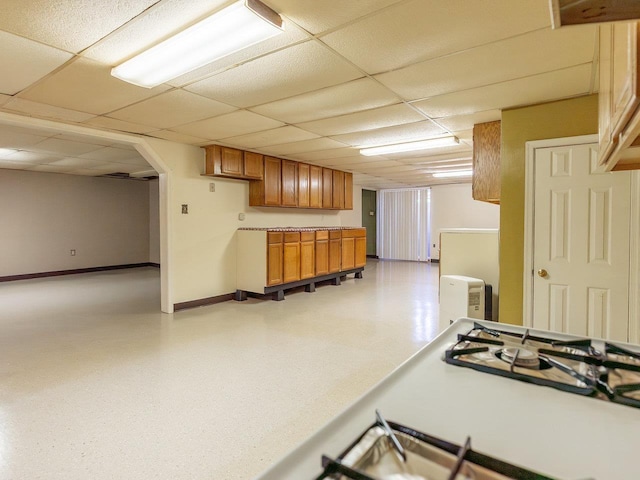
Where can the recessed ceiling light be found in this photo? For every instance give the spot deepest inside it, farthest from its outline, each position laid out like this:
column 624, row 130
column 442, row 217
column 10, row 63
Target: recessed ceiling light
column 233, row 28
column 411, row 146
column 453, row 173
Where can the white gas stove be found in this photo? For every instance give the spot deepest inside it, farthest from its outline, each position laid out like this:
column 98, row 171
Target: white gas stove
column 531, row 402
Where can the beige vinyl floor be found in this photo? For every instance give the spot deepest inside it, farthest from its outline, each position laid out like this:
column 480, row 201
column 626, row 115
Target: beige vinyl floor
column 96, row 383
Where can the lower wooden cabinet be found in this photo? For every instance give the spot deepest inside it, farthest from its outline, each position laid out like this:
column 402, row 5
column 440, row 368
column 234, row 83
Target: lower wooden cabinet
column 267, row 258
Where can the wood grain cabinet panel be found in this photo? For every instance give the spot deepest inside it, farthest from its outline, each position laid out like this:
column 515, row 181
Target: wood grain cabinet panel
column 253, row 165
column 291, row 257
column 315, row 186
column 335, row 248
column 275, row 258
column 327, row 188
column 348, row 191
column 360, row 252
column 307, row 255
column 267, row 192
column 486, row 162
column 289, row 183
column 338, row 189
column 322, row 252
column 303, row 185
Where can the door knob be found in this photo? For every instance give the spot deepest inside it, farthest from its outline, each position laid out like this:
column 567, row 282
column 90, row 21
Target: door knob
column 542, row 273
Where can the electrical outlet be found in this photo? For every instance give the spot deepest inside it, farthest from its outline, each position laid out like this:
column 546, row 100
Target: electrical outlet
column 73, row 252
column 185, row 208
column 212, row 187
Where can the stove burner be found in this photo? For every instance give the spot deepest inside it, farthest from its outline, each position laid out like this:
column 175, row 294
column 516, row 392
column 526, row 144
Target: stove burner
column 520, row 357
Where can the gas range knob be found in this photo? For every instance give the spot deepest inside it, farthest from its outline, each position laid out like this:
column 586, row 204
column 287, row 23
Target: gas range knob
column 542, row 273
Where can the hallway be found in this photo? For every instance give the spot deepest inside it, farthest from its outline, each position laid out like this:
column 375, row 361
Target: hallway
column 97, row 383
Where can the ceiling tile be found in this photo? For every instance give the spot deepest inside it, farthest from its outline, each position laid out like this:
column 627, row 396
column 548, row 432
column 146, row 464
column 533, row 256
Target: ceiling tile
column 177, row 137
column 317, row 16
column 15, row 137
column 6, row 164
column 390, row 135
column 171, row 109
column 46, row 111
column 4, row 98
column 367, row 120
column 461, row 149
column 296, row 148
column 77, row 163
column 417, row 30
column 88, row 172
column 110, row 153
column 75, row 137
column 466, row 122
column 23, row 156
column 133, row 160
column 27, row 61
column 495, row 62
column 67, row 24
column 525, row 91
column 130, row 168
column 120, row 125
column 359, row 159
column 368, row 167
column 87, row 86
column 49, row 168
column 326, row 154
column 441, row 159
column 361, row 94
column 56, row 146
column 308, row 65
column 231, row 124
column 265, row 138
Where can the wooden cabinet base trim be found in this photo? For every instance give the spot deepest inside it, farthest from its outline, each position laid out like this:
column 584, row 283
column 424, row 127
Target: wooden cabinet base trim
column 277, row 291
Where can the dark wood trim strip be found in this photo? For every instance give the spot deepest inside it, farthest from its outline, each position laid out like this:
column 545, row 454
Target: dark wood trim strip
column 435, row 260
column 203, row 302
column 58, row 273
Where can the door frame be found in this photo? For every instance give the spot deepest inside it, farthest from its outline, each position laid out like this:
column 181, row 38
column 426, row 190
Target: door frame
column 634, row 233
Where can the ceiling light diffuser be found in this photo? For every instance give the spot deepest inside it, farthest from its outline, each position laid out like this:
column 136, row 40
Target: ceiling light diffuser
column 233, row 28
column 453, row 173
column 411, row 146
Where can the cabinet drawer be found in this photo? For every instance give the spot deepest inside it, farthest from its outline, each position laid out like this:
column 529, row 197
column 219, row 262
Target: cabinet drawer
column 354, row 232
column 333, row 234
column 322, row 235
column 307, row 236
column 274, row 237
column 290, row 237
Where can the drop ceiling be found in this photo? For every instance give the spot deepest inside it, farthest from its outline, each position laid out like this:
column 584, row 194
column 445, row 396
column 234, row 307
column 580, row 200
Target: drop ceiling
column 344, row 75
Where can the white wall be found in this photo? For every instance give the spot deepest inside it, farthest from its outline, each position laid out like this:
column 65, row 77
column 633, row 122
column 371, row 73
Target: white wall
column 452, row 206
column 202, row 244
column 44, row 215
column 154, row 221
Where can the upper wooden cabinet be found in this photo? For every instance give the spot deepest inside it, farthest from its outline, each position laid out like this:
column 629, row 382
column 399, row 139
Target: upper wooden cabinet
column 486, row 162
column 338, row 189
column 233, row 163
column 348, row 191
column 327, row 188
column 303, row 185
column 289, row 183
column 267, row 192
column 619, row 97
column 315, row 186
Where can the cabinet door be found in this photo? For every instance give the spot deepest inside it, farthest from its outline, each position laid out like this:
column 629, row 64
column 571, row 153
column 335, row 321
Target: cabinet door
column 322, row 253
column 348, row 253
column 307, row 255
column 289, row 183
column 485, row 184
column 303, row 185
column 348, row 191
column 327, row 188
column 360, row 251
column 315, row 186
column 274, row 264
column 272, row 181
column 291, row 261
column 253, row 165
column 230, row 161
column 338, row 189
column 335, row 249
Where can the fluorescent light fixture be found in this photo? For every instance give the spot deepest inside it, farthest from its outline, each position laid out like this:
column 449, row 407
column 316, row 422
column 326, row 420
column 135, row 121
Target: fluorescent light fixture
column 410, row 146
column 453, row 173
column 233, row 28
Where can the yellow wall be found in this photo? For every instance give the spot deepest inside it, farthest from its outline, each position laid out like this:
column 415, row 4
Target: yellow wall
column 565, row 118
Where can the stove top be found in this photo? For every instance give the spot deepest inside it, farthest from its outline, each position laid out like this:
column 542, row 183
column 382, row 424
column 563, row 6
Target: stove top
column 390, row 451
column 582, row 366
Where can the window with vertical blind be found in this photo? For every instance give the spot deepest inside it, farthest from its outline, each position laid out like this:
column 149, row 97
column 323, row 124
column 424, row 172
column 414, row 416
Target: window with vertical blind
column 403, row 227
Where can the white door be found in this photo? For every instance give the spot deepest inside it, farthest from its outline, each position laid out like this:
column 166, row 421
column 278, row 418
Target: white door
column 581, row 244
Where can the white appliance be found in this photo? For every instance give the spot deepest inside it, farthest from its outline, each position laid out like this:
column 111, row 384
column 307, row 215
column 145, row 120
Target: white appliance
column 460, row 296
column 558, row 433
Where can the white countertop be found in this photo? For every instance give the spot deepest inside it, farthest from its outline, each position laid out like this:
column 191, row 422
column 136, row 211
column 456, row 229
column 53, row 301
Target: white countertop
column 553, row 432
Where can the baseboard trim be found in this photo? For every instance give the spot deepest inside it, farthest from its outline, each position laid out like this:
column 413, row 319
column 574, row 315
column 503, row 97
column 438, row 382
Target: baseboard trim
column 372, row 256
column 58, row 273
column 435, row 260
column 203, row 302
